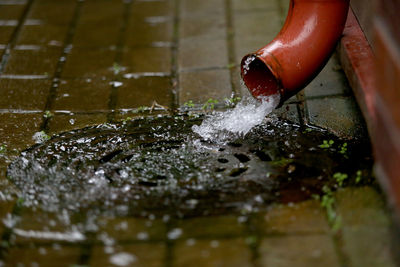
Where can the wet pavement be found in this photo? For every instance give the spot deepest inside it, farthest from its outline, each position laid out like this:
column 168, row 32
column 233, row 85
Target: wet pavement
column 71, row 64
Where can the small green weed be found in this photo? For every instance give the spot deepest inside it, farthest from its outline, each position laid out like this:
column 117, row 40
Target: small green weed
column 189, row 104
column 343, row 150
column 358, row 176
column 210, row 104
column 3, row 149
column 124, row 121
column 47, row 114
column 141, row 109
column 230, row 102
column 327, row 202
column 20, row 201
column 340, row 178
column 327, row 144
column 117, row 68
column 42, row 136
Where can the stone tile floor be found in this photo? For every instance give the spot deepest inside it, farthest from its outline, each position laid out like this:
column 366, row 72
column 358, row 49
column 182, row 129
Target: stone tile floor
column 68, row 64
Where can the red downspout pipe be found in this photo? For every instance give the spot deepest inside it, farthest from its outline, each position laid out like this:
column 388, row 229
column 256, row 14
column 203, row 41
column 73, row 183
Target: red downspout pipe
column 300, row 50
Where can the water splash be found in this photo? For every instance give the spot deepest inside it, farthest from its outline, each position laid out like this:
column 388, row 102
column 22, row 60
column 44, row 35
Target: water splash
column 221, row 127
column 123, row 259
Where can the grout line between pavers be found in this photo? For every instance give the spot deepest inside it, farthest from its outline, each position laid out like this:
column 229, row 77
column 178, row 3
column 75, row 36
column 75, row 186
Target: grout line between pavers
column 91, row 242
column 252, row 230
column 343, row 258
column 169, row 245
column 112, row 103
column 61, row 63
column 230, row 35
column 174, row 55
column 321, row 97
column 14, row 36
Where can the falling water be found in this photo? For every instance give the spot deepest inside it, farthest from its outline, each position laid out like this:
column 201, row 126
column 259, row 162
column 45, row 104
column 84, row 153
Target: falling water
column 221, row 127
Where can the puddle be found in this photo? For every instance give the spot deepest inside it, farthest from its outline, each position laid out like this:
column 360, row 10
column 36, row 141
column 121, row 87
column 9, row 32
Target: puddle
column 159, row 166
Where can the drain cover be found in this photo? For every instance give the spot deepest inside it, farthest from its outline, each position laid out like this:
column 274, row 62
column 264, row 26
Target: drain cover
column 157, row 165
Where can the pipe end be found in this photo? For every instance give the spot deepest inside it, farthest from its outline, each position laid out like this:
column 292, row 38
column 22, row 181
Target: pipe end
column 258, row 78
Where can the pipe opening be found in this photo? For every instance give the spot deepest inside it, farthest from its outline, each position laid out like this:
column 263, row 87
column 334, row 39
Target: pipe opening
column 258, row 78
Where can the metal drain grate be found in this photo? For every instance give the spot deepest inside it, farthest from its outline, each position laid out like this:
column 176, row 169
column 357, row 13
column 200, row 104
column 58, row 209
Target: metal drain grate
column 158, row 166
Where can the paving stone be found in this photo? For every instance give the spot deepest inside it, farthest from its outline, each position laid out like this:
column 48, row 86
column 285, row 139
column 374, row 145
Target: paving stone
column 300, row 218
column 201, row 7
column 147, row 59
column 66, row 122
column 134, row 229
column 299, row 251
column 202, row 54
column 197, row 28
column 202, row 85
column 203, row 42
column 24, row 94
column 330, row 81
column 244, row 5
column 87, row 35
column 108, row 17
column 365, row 227
column 151, row 255
column 32, row 222
column 6, row 208
column 79, row 95
column 43, row 256
column 16, row 130
column 47, row 34
column 230, row 252
column 110, row 10
column 339, row 115
column 89, row 63
column 158, row 8
column 142, row 33
column 8, row 12
column 33, row 62
column 143, row 91
column 254, row 30
column 211, row 227
column 6, row 33
column 49, row 12
column 362, row 207
column 368, row 247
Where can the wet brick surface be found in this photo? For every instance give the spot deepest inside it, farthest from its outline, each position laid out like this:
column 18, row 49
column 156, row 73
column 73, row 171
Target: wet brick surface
column 69, row 64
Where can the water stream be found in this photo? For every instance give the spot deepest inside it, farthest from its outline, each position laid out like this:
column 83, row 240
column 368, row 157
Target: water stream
column 221, row 127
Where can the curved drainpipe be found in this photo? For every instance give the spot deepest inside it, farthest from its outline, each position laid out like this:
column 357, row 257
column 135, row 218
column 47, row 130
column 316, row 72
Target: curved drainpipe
column 300, row 50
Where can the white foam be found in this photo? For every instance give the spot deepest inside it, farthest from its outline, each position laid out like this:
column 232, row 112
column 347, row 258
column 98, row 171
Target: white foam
column 123, row 259
column 221, row 127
